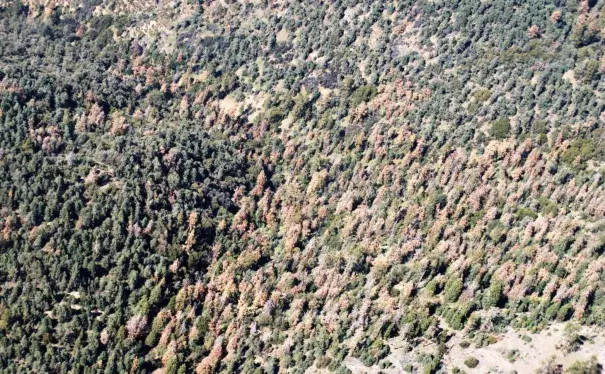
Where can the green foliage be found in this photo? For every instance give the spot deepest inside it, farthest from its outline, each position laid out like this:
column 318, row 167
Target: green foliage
column 512, row 355
column 436, row 201
column 590, row 71
column 362, row 94
column 456, row 317
column 342, row 370
column 583, row 35
column 482, row 95
column 572, row 338
column 493, row 295
column 432, row 288
column 497, row 232
column 579, row 149
column 548, row 207
column 131, row 184
column 564, row 312
column 539, row 127
column 275, row 115
column 590, row 366
column 430, row 364
column 500, row 129
column 552, row 311
column 471, row 362
column 526, row 212
column 483, row 340
column 373, row 352
column 453, row 289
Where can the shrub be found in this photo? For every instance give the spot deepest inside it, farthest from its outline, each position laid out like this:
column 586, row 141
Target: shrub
column 343, row 370
column 471, row 362
column 385, row 364
column 573, row 339
column 526, row 338
column 512, row 355
column 585, row 367
column 484, row 340
column 549, row 366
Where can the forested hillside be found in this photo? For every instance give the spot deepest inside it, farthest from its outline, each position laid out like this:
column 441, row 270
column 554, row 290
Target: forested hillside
column 271, row 186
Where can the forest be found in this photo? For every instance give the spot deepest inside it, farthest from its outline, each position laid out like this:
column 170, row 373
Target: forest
column 272, row 186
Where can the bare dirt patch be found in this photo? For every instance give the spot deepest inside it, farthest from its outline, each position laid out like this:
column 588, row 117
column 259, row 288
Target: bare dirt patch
column 513, row 351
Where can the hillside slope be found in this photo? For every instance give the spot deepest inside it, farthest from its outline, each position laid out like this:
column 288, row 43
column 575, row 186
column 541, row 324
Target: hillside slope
column 272, row 186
